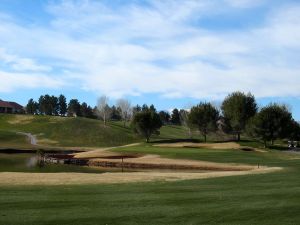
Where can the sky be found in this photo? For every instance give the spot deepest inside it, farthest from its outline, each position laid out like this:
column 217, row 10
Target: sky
column 170, row 53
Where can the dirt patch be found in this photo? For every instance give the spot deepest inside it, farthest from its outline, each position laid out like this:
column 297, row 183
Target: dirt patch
column 13, row 178
column 225, row 145
column 21, row 119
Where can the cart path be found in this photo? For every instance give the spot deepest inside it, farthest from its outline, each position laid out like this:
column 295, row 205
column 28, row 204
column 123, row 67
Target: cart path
column 32, row 138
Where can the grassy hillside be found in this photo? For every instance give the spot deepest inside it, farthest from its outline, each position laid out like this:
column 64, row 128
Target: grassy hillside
column 11, row 139
column 77, row 132
column 63, row 131
column 82, row 132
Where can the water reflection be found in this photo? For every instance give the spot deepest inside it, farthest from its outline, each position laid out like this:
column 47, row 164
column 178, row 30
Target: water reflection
column 35, row 161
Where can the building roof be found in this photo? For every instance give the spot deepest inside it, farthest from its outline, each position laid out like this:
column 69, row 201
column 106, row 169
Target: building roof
column 10, row 105
column 5, row 104
column 16, row 105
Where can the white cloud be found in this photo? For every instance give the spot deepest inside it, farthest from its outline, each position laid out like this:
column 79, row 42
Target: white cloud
column 134, row 49
column 16, row 81
column 17, row 63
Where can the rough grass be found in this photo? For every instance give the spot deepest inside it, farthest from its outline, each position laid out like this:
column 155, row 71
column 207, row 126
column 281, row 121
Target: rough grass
column 9, row 139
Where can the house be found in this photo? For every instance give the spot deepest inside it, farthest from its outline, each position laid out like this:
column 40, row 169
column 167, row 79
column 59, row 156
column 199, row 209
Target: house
column 10, row 107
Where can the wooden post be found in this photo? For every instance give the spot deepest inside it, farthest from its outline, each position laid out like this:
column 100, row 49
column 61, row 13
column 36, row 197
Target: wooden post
column 122, row 165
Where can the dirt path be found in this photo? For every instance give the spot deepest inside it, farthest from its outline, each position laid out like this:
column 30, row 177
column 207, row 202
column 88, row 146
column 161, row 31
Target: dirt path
column 16, row 178
column 31, row 138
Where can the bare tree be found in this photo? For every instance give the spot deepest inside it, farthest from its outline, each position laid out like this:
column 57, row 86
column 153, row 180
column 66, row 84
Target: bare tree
column 183, row 114
column 103, row 108
column 126, row 109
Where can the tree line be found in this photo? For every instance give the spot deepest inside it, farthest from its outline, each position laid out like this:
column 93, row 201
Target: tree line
column 57, row 106
column 122, row 110
column 239, row 114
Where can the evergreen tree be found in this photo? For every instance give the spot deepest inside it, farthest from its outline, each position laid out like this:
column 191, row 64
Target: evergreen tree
column 175, row 117
column 62, row 105
column 32, row 107
column 74, row 108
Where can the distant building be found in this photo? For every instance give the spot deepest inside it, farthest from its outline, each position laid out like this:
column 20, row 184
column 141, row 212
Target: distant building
column 10, row 107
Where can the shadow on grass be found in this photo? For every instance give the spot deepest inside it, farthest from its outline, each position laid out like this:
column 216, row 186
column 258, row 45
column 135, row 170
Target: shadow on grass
column 278, row 147
column 168, row 141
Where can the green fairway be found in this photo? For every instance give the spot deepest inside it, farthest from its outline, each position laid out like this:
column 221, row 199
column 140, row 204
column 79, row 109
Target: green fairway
column 269, row 157
column 270, row 199
column 266, row 199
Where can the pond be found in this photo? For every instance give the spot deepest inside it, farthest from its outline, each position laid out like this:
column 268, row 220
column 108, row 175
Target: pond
column 27, row 162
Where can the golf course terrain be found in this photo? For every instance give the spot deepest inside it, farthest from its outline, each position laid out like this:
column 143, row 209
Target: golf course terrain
column 174, row 179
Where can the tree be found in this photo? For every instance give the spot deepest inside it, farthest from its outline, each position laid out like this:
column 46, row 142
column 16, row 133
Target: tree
column 164, row 117
column 205, row 117
column 32, row 107
column 86, row 110
column 74, row 108
column 136, row 109
column 42, row 104
column 152, row 108
column 237, row 109
column 184, row 121
column 53, row 105
column 294, row 133
column 48, row 105
column 62, row 105
column 272, row 122
column 146, row 123
column 145, row 108
column 115, row 113
column 175, row 117
column 126, row 110
column 103, row 108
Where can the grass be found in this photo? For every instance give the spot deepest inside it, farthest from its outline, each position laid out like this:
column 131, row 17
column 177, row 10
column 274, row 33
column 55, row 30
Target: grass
column 65, row 131
column 10, row 139
column 269, row 157
column 267, row 199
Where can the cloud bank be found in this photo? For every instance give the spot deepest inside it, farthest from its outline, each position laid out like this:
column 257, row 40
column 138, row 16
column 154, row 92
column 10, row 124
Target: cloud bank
column 161, row 47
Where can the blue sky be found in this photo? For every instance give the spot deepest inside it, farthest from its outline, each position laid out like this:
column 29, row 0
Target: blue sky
column 171, row 53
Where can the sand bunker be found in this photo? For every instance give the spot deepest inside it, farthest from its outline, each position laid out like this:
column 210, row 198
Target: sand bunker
column 100, row 152
column 225, row 145
column 156, row 162
column 106, row 158
column 15, row 178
